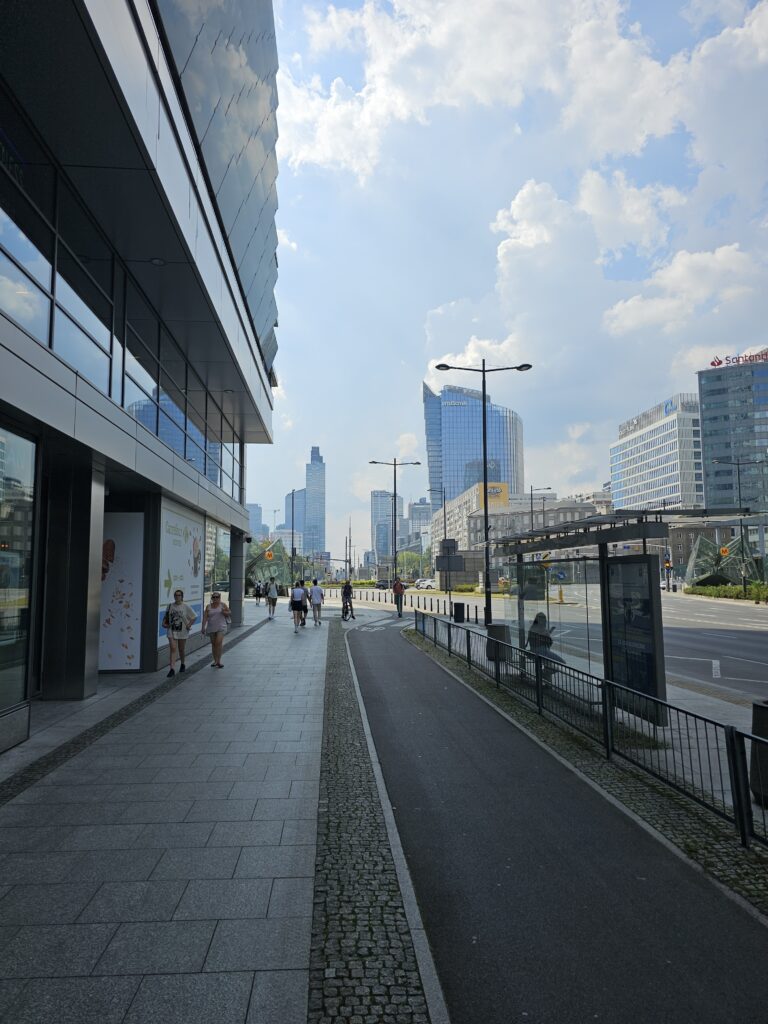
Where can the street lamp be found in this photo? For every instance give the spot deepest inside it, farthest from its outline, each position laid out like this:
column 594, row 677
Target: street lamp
column 394, row 464
column 542, row 502
column 738, row 463
column 486, row 526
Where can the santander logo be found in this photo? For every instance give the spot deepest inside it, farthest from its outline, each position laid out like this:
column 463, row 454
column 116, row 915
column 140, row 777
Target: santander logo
column 717, row 361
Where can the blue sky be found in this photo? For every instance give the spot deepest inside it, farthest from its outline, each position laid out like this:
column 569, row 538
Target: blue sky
column 579, row 184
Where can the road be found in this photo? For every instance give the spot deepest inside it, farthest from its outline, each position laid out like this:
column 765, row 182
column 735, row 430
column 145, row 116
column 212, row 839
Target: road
column 722, row 644
column 542, row 902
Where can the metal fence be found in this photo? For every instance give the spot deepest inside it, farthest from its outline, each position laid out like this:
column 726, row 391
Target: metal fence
column 719, row 766
column 421, row 600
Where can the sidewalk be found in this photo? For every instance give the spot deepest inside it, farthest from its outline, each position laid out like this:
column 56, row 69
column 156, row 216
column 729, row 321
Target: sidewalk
column 166, row 871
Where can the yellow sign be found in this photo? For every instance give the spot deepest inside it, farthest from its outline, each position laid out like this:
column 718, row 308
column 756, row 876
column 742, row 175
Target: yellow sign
column 269, row 556
column 725, row 552
column 498, row 494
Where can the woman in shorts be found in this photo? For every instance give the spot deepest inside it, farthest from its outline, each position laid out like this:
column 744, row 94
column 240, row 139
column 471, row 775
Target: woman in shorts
column 297, row 604
column 177, row 621
column 215, row 622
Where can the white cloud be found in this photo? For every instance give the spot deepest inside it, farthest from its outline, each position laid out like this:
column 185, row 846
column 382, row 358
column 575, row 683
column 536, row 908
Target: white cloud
column 285, row 241
column 726, row 12
column 495, row 353
column 689, row 282
column 624, row 215
column 407, row 446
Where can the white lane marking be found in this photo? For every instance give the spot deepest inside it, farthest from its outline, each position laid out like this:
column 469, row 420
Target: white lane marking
column 715, row 669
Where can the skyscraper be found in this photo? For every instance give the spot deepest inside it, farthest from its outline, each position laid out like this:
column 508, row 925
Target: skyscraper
column 656, row 463
column 255, row 520
column 297, row 500
column 381, row 513
column 314, row 516
column 453, row 423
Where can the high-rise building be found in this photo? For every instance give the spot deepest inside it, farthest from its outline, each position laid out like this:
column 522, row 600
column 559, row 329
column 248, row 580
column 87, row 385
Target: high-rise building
column 419, row 516
column 381, row 513
column 314, row 516
column 255, row 519
column 656, row 462
column 733, row 398
column 453, row 423
column 137, row 315
column 296, row 500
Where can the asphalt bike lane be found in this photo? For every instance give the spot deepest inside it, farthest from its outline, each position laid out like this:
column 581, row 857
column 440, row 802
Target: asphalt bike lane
column 542, row 901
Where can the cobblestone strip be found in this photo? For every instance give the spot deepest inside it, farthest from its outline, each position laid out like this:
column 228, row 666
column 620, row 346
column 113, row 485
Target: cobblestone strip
column 32, row 773
column 707, row 840
column 363, row 967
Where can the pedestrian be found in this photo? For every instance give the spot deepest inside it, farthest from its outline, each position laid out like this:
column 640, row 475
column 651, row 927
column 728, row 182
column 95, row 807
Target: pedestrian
column 346, row 601
column 304, row 603
column 297, row 603
column 398, row 590
column 216, row 620
column 177, row 621
column 257, row 592
column 272, row 597
column 317, row 596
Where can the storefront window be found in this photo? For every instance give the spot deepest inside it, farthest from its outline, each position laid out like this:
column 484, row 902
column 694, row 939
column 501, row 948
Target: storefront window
column 217, row 543
column 17, row 483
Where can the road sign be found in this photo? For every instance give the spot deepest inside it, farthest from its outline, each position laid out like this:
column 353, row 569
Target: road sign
column 269, row 556
column 561, row 575
column 546, row 564
column 725, row 552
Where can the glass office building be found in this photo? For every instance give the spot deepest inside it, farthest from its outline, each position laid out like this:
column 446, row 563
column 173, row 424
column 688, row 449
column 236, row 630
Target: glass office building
column 733, row 396
column 137, row 326
column 454, row 439
column 314, row 514
column 656, row 462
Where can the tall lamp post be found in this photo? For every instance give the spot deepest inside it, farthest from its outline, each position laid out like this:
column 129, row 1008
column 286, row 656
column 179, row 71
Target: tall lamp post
column 486, row 525
column 542, row 501
column 738, row 463
column 394, row 464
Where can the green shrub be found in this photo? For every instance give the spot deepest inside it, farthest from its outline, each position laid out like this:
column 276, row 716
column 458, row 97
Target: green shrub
column 464, row 588
column 755, row 592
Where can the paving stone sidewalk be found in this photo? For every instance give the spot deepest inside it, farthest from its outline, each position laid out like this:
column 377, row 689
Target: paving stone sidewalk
column 166, row 872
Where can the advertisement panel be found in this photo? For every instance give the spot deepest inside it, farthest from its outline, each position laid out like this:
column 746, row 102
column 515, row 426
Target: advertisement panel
column 122, row 559
column 635, row 638
column 182, row 534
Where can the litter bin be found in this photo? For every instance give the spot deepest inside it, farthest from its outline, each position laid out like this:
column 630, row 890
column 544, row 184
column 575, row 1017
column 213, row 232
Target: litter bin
column 674, row 588
column 758, row 761
column 458, row 611
column 493, row 649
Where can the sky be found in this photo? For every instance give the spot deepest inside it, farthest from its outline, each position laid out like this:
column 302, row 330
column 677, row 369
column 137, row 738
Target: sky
column 578, row 184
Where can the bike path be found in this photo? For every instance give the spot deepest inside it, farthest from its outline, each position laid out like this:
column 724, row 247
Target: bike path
column 542, row 901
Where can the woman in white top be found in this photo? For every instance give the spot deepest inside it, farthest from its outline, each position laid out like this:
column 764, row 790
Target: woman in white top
column 177, row 621
column 272, row 596
column 317, row 597
column 297, row 604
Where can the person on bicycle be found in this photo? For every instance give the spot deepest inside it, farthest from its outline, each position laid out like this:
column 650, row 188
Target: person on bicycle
column 398, row 590
column 346, row 601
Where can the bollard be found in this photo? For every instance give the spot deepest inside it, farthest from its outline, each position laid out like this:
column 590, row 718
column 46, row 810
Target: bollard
column 430, row 604
column 475, row 614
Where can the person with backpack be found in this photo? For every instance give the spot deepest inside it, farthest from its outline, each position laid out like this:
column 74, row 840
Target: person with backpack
column 257, row 592
column 398, row 590
column 177, row 621
column 297, row 603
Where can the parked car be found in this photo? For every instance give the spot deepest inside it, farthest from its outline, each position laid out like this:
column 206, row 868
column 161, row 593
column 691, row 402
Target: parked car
column 382, row 584
column 426, row 585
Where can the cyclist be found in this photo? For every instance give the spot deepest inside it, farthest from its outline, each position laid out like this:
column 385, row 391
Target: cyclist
column 347, row 611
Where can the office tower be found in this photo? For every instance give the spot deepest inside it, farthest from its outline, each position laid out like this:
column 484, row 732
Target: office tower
column 656, row 462
column 137, row 316
column 298, row 501
column 255, row 520
column 381, row 513
column 733, row 399
column 453, row 424
column 314, row 516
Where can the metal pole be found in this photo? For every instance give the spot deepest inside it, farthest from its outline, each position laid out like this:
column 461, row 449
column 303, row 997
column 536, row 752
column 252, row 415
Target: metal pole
column 293, row 520
column 531, row 506
column 486, row 524
column 741, row 531
column 445, row 537
column 394, row 522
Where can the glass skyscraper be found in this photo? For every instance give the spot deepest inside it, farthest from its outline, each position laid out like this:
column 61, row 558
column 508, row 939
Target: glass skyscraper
column 314, row 515
column 733, row 397
column 453, row 423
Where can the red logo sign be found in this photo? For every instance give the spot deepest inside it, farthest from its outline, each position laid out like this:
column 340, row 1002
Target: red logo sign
column 717, row 361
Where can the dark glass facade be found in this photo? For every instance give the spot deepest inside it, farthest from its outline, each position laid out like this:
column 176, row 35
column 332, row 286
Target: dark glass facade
column 64, row 285
column 225, row 57
column 453, row 423
column 734, row 430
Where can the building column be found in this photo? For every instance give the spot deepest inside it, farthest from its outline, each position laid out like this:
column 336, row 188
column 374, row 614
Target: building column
column 236, row 576
column 72, row 601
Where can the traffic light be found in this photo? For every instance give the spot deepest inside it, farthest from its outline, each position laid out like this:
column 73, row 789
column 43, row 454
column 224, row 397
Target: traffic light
column 667, row 564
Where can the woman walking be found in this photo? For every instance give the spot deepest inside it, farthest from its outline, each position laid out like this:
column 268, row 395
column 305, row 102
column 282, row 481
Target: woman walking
column 177, row 621
column 297, row 604
column 215, row 622
column 272, row 596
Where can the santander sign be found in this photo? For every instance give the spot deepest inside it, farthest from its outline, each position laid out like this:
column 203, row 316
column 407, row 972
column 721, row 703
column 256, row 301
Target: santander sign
column 756, row 357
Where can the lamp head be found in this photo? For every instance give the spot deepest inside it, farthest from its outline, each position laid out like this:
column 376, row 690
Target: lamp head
column 442, row 366
column 524, row 366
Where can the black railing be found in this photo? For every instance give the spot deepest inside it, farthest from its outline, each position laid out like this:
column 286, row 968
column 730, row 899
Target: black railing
column 718, row 766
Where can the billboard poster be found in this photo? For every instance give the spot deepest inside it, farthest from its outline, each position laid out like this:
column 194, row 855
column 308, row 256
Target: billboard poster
column 182, row 534
column 122, row 561
column 632, row 637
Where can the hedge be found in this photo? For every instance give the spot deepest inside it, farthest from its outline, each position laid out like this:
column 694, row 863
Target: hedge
column 755, row 592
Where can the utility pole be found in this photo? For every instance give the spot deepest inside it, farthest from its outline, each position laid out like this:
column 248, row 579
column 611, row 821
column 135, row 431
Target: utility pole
column 293, row 521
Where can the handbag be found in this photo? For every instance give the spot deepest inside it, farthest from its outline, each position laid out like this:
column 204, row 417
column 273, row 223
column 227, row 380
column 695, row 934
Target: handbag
column 166, row 623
